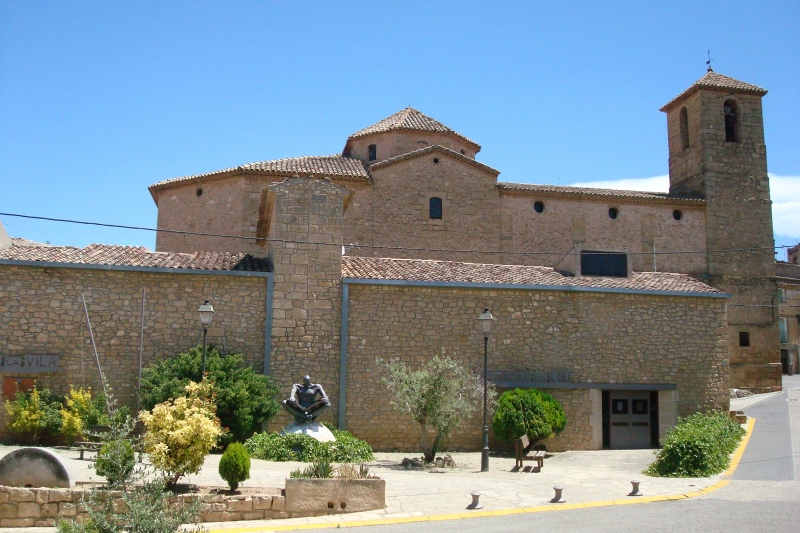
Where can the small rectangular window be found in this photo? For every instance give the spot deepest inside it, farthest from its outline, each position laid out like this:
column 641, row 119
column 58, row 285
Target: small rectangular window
column 373, row 152
column 595, row 263
column 435, row 208
column 744, row 338
column 783, row 327
column 781, row 295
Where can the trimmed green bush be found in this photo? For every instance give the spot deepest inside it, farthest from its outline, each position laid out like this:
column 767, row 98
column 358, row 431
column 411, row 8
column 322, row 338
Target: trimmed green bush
column 528, row 411
column 115, row 461
column 234, row 465
column 299, row 447
column 699, row 446
column 245, row 399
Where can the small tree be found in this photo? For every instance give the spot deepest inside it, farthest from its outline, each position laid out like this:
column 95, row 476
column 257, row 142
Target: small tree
column 181, row 432
column 234, row 465
column 244, row 398
column 438, row 396
column 528, row 412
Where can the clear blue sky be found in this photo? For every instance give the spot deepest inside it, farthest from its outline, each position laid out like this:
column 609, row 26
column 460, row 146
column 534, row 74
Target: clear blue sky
column 99, row 100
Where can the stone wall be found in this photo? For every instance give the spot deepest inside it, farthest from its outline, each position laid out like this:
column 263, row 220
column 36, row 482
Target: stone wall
column 42, row 507
column 42, row 314
column 600, row 338
column 306, row 225
column 640, row 228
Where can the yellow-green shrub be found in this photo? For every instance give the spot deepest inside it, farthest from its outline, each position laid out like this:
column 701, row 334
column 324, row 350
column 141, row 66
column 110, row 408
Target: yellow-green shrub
column 26, row 413
column 181, row 432
column 74, row 415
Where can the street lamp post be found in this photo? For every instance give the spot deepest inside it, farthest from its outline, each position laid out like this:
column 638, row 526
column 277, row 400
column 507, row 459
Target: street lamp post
column 206, row 314
column 486, row 320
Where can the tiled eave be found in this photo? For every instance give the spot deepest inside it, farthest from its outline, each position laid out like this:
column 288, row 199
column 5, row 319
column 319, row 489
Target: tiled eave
column 586, row 193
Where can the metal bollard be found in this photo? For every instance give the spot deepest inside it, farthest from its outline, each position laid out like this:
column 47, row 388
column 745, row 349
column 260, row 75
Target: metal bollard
column 558, row 498
column 475, row 503
column 635, row 490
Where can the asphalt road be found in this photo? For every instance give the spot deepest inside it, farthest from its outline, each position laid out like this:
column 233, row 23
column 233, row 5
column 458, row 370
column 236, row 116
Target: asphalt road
column 764, row 494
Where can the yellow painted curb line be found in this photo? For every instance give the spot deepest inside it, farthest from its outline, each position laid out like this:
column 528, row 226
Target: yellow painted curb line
column 737, row 456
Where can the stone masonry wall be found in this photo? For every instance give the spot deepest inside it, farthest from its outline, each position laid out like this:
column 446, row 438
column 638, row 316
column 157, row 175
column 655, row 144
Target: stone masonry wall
column 639, row 228
column 41, row 313
column 602, row 338
column 306, row 251
column 399, row 215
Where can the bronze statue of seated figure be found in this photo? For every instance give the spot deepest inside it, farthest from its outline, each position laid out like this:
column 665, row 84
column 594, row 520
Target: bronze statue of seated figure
column 303, row 404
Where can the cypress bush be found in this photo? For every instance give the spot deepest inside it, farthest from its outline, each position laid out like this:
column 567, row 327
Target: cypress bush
column 528, row 411
column 234, row 466
column 699, row 446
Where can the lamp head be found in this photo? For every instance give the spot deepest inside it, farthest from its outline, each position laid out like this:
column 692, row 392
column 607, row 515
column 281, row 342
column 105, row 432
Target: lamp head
column 486, row 320
column 206, row 313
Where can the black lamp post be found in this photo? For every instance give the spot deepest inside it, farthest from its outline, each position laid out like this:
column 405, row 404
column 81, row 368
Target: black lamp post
column 206, row 315
column 486, row 320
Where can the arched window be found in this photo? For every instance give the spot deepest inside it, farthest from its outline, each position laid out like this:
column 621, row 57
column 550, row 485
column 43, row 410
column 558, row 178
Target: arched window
column 372, row 150
column 435, row 208
column 731, row 122
column 684, row 129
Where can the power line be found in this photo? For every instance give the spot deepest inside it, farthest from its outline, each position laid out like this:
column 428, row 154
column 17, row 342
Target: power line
column 383, row 247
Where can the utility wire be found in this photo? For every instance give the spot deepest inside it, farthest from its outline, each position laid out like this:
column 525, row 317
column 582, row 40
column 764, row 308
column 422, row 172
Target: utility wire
column 384, row 247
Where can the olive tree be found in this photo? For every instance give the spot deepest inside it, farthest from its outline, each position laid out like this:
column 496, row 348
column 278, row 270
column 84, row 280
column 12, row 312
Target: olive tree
column 438, row 395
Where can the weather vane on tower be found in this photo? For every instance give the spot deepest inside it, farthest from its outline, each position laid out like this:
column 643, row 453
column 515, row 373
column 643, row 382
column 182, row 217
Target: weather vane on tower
column 708, row 63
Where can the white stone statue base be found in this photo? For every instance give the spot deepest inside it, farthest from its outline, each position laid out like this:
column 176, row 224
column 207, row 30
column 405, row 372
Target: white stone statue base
column 312, row 429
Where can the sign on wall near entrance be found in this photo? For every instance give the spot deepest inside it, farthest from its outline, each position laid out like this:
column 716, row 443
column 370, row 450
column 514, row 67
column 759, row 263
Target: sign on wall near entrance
column 29, row 364
column 529, row 376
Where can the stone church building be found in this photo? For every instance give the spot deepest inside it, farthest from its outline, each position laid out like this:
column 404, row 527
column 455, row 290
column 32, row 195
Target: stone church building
column 415, row 190
column 632, row 308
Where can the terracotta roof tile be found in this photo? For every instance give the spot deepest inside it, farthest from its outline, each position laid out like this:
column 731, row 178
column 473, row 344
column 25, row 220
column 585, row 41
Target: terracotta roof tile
column 409, row 119
column 715, row 81
column 448, row 271
column 590, row 192
column 430, row 149
column 332, row 166
column 135, row 256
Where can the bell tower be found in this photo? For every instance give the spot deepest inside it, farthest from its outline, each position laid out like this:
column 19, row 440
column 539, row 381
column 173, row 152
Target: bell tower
column 717, row 152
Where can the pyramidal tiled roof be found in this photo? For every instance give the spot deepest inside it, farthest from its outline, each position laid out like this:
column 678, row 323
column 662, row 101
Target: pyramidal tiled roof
column 715, row 81
column 135, row 256
column 409, row 119
column 332, row 166
column 451, row 271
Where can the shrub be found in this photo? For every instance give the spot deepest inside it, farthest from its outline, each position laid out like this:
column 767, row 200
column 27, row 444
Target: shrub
column 244, row 398
column 300, row 447
column 528, row 411
column 699, row 446
column 321, row 469
column 35, row 415
column 115, row 461
column 234, row 465
column 74, row 416
column 438, row 396
column 181, row 432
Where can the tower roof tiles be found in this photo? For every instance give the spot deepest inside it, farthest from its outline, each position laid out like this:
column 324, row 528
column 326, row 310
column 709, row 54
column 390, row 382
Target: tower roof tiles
column 716, row 82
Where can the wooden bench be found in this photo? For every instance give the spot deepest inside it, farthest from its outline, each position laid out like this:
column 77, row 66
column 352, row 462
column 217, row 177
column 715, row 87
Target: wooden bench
column 525, row 451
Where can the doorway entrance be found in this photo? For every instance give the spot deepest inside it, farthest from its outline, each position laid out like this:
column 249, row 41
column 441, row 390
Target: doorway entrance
column 630, row 419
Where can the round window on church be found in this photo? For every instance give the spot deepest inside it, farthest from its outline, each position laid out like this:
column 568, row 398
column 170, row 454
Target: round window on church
column 677, row 214
column 538, row 206
column 613, row 212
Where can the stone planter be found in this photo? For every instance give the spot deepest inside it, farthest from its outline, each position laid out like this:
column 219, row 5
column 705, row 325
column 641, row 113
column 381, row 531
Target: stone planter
column 308, row 496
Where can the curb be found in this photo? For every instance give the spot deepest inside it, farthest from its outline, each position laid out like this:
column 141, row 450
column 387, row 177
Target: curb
column 737, row 456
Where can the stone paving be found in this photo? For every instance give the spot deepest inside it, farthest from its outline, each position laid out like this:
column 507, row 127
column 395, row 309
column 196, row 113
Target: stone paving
column 589, row 478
